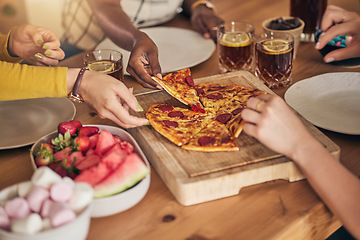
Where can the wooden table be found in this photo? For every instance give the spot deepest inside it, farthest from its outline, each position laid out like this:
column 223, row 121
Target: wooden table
column 273, row 210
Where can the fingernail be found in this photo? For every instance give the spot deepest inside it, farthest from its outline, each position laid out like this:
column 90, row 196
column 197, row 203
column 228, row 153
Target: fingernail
column 47, row 53
column 328, row 60
column 159, row 75
column 40, row 42
column 45, row 47
column 317, row 45
column 131, row 90
column 147, row 124
column 38, row 56
column 139, row 108
column 348, row 40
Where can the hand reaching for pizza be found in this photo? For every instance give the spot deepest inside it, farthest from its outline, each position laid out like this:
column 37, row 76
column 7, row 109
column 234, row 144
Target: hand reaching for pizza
column 270, row 120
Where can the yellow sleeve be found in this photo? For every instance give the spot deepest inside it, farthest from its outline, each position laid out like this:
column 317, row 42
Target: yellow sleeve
column 21, row 81
column 4, row 54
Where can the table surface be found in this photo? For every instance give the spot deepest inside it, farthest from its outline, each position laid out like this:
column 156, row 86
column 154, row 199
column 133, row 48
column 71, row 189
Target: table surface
column 272, row 210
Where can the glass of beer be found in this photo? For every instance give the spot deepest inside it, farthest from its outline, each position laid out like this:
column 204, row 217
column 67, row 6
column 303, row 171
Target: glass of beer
column 235, row 42
column 105, row 61
column 274, row 59
column 311, row 12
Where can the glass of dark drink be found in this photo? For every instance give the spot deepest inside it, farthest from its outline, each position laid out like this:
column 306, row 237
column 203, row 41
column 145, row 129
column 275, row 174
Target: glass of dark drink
column 105, row 61
column 235, row 42
column 274, row 59
column 311, row 12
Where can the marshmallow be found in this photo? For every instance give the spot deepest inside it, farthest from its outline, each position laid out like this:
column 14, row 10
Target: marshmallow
column 29, row 225
column 46, row 224
column 61, row 191
column 45, row 210
column 4, row 219
column 17, row 208
column 69, row 180
column 82, row 196
column 36, row 198
column 61, row 214
column 24, row 188
column 45, row 177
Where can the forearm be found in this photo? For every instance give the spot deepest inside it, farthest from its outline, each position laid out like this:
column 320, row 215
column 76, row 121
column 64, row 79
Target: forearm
column 115, row 23
column 5, row 51
column 335, row 185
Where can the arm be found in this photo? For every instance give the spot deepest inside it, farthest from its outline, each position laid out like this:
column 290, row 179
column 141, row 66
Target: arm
column 203, row 19
column 34, row 44
column 335, row 22
column 276, row 126
column 118, row 27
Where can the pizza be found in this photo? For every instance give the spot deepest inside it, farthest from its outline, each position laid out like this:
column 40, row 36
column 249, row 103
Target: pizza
column 213, row 121
column 180, row 85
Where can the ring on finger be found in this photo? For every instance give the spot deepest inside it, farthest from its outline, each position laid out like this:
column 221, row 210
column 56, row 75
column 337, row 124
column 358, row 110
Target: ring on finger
column 257, row 108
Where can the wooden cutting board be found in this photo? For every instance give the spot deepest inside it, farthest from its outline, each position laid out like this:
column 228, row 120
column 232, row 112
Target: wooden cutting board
column 195, row 177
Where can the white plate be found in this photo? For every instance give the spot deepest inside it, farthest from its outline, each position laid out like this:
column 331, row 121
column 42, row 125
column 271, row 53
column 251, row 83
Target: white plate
column 22, row 122
column 330, row 101
column 178, row 48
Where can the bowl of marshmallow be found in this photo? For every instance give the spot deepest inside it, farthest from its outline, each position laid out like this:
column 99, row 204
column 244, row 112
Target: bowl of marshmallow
column 46, row 207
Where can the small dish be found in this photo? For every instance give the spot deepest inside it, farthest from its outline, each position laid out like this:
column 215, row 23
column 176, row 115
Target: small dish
column 120, row 202
column 76, row 229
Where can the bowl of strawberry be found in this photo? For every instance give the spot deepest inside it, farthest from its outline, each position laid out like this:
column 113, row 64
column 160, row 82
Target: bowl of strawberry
column 106, row 157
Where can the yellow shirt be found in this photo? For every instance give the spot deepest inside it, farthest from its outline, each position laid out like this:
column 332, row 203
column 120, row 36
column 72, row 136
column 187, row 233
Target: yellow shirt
column 21, row 81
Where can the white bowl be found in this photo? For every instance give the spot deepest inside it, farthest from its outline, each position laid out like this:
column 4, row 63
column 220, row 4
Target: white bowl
column 76, row 229
column 120, row 202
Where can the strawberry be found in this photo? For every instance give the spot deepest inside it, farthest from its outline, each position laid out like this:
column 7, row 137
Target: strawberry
column 44, row 154
column 81, row 143
column 88, row 162
column 67, row 127
column 88, row 131
column 77, row 123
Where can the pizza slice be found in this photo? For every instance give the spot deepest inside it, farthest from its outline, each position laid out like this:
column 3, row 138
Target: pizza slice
column 175, row 123
column 180, row 85
column 214, row 137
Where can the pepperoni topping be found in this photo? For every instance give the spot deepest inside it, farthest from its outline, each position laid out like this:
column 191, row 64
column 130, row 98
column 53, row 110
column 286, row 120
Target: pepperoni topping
column 223, row 118
column 206, row 141
column 200, row 91
column 189, row 80
column 166, row 108
column 215, row 96
column 170, row 124
column 236, row 111
column 197, row 108
column 176, row 114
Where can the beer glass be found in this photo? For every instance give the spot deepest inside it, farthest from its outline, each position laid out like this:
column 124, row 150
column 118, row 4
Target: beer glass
column 274, row 59
column 235, row 46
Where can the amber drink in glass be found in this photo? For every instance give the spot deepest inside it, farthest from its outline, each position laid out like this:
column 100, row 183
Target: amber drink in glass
column 105, row 61
column 274, row 59
column 235, row 46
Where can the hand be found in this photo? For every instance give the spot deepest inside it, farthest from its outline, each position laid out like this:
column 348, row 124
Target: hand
column 36, row 45
column 205, row 21
column 110, row 98
column 335, row 22
column 144, row 63
column 270, row 120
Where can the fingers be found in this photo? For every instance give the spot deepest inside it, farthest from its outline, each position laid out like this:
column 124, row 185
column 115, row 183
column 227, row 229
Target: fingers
column 351, row 51
column 141, row 70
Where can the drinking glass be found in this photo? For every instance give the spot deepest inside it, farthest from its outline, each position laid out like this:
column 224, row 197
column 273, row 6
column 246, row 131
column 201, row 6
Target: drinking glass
column 105, row 61
column 311, row 12
column 274, row 59
column 235, row 42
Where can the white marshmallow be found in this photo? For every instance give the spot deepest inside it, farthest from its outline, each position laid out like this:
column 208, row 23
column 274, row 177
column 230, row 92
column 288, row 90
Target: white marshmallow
column 4, row 219
column 45, row 177
column 69, row 180
column 82, row 196
column 46, row 224
column 61, row 214
column 61, row 191
column 24, row 188
column 36, row 198
column 17, row 208
column 29, row 225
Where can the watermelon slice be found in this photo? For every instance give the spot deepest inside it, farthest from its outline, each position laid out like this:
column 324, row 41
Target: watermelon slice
column 126, row 175
column 105, row 142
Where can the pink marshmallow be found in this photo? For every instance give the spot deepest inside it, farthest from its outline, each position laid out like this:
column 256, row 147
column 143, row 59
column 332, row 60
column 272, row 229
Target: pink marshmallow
column 45, row 210
column 17, row 208
column 36, row 198
column 61, row 191
column 61, row 214
column 4, row 219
